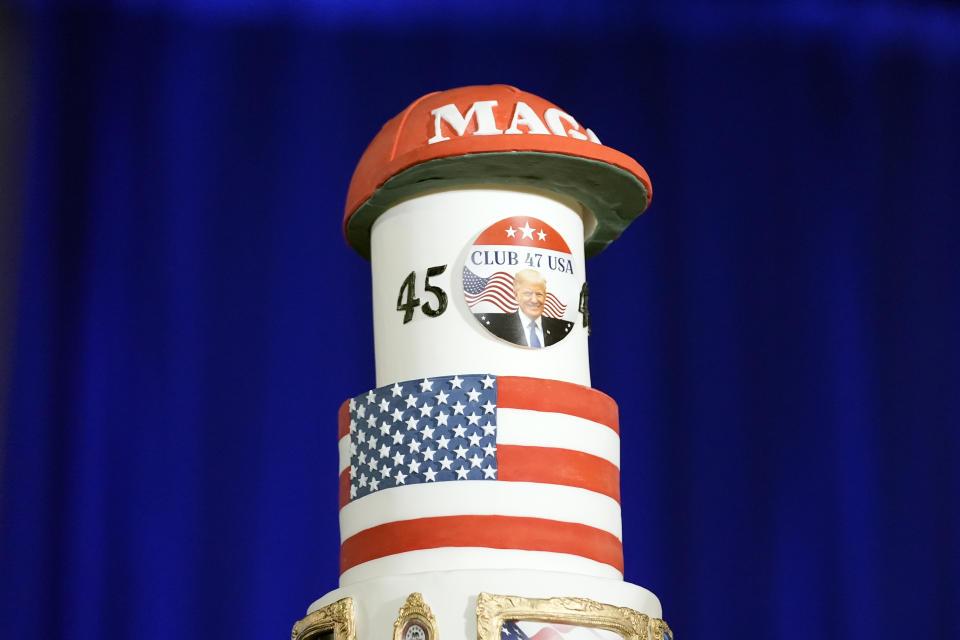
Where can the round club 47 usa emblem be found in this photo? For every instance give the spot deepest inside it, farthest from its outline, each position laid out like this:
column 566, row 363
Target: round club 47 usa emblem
column 520, row 282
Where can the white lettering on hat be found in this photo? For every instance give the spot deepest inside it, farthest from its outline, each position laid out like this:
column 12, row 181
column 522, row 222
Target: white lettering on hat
column 558, row 123
column 554, row 118
column 524, row 115
column 483, row 110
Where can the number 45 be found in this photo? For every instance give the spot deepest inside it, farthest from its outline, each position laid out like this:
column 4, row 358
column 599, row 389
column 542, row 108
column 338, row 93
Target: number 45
column 408, row 289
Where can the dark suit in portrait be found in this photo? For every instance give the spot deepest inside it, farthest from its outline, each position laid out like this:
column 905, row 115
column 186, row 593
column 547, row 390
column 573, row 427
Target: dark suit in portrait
column 509, row 327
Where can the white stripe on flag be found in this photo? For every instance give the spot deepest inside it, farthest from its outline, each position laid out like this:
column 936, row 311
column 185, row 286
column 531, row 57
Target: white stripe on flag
column 560, row 430
column 344, row 446
column 481, row 497
column 469, row 558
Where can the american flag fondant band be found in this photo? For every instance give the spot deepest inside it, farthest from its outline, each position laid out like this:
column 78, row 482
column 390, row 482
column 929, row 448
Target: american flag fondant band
column 480, row 461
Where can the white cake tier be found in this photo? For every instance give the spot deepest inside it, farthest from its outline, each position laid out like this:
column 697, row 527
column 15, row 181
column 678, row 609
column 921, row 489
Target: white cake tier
column 446, row 229
column 469, row 558
column 452, row 596
column 476, row 471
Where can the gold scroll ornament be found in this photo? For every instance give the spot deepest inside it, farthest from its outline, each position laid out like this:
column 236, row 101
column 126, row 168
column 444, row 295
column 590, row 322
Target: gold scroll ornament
column 337, row 617
column 493, row 610
column 414, row 614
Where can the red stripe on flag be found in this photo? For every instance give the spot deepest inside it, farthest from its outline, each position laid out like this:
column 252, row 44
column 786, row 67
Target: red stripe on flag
column 537, row 394
column 343, row 420
column 495, row 532
column 553, row 308
column 516, row 463
column 493, row 295
column 344, row 494
column 506, row 306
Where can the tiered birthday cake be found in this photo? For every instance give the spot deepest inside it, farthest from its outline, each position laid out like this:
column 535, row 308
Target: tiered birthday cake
column 479, row 478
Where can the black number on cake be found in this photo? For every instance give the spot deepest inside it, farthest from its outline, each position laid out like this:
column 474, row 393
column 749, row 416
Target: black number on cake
column 409, row 285
column 435, row 290
column 407, row 300
column 584, row 307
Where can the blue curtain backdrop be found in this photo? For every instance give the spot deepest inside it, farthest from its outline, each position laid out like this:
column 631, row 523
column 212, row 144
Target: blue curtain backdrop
column 780, row 329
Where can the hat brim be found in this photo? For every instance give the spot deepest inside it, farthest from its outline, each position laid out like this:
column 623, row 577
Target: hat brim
column 615, row 196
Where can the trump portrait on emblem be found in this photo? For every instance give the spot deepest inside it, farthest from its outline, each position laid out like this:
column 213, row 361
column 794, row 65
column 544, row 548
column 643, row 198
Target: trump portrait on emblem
column 527, row 326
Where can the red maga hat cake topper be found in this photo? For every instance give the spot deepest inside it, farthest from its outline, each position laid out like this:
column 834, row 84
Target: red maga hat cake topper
column 495, row 135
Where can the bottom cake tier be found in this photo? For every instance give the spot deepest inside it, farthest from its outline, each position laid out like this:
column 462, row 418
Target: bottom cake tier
column 486, row 605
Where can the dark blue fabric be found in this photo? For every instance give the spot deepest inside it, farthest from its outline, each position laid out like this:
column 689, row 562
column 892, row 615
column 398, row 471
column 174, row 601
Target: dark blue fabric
column 780, row 329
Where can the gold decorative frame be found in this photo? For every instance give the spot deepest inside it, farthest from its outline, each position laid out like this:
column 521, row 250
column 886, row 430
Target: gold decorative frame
column 415, row 609
column 337, row 616
column 660, row 630
column 493, row 610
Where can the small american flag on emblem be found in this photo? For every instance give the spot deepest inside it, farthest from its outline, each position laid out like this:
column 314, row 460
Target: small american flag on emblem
column 497, row 289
